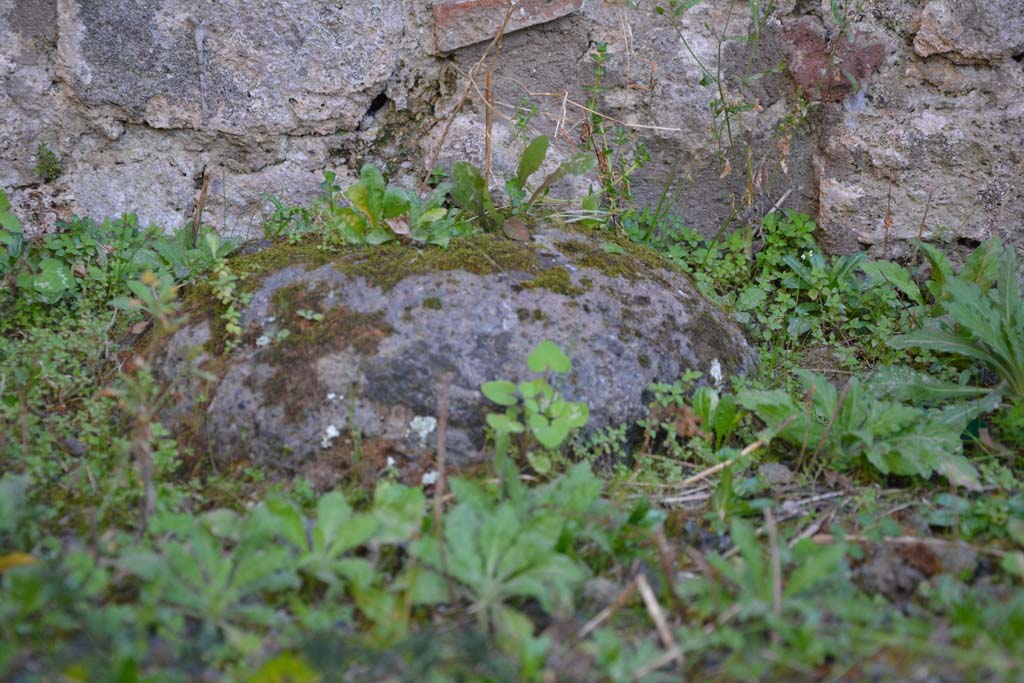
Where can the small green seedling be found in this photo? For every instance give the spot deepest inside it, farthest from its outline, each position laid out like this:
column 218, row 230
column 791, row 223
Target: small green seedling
column 533, row 408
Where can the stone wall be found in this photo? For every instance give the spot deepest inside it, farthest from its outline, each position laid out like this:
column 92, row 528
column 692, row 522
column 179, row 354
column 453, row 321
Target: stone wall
column 916, row 108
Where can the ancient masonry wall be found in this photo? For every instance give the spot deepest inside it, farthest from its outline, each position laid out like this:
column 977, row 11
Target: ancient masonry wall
column 141, row 97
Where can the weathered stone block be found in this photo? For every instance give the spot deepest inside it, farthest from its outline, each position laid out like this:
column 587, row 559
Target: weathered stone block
column 458, row 23
column 971, row 30
column 237, row 67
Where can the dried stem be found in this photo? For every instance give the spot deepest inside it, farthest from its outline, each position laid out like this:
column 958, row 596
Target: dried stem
column 920, row 229
column 496, row 41
column 198, row 220
column 773, row 545
column 442, row 479
column 658, row 617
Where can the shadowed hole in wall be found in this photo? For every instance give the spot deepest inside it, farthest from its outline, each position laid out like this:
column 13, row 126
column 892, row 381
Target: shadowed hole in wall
column 378, row 103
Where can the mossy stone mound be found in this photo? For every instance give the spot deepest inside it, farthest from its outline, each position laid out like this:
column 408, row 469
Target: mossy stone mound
column 342, row 358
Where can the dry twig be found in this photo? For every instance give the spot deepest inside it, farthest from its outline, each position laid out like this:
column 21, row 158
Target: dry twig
column 658, row 617
column 823, row 539
column 465, row 93
column 773, row 546
column 442, row 479
column 198, row 221
column 607, row 613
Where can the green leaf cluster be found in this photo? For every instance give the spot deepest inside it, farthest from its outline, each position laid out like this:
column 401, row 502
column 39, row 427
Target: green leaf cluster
column 854, row 426
column 372, row 204
column 981, row 316
column 470, row 192
column 86, row 264
column 533, row 407
column 223, row 568
column 12, row 239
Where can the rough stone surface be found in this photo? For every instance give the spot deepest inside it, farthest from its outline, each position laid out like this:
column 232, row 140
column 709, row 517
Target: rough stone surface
column 933, row 143
column 458, row 23
column 295, row 68
column 373, row 364
column 971, row 30
column 139, row 97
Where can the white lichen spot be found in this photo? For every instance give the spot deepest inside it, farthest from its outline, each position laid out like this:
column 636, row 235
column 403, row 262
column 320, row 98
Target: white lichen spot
column 262, row 340
column 331, row 396
column 330, row 434
column 430, row 477
column 715, row 372
column 422, row 426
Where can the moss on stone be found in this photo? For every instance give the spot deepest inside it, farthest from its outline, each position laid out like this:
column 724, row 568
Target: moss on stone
column 253, row 268
column 387, row 265
column 638, row 262
column 710, row 338
column 294, row 384
column 526, row 315
column 433, row 303
column 555, row 279
column 288, row 300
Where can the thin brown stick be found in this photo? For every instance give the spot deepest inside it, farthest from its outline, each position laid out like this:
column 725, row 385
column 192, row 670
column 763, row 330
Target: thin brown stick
column 488, row 127
column 888, row 217
column 607, row 613
column 668, row 563
column 465, row 93
column 920, row 229
column 790, row 504
column 563, row 97
column 442, row 479
column 783, row 198
column 724, row 617
column 700, row 476
column 698, row 560
column 813, row 528
column 675, row 653
column 823, row 539
column 698, row 497
column 142, row 436
column 773, row 546
column 658, row 617
column 198, row 220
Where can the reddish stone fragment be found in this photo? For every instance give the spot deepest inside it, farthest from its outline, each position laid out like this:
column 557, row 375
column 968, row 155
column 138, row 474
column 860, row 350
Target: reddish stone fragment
column 823, row 68
column 458, row 23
